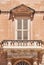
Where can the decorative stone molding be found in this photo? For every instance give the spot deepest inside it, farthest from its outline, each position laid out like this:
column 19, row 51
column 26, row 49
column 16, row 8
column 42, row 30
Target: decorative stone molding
column 37, row 44
column 39, row 12
column 22, row 61
column 22, row 11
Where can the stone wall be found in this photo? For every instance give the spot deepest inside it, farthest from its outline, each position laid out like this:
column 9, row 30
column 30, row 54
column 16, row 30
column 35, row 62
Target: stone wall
column 3, row 58
column 37, row 25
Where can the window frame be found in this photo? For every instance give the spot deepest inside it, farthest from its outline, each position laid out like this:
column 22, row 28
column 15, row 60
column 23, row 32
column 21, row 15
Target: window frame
column 29, row 30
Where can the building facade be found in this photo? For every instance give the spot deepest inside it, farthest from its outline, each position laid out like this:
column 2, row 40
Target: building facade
column 22, row 34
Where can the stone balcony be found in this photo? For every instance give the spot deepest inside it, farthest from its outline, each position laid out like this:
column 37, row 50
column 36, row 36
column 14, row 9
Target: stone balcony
column 22, row 44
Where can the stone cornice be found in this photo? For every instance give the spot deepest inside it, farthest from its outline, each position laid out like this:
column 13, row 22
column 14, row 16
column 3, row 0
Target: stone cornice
column 37, row 12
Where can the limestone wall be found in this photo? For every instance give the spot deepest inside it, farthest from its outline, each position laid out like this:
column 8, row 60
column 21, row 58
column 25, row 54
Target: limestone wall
column 37, row 28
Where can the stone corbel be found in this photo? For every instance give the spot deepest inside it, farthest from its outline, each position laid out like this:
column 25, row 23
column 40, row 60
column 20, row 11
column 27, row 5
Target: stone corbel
column 31, row 16
column 11, row 16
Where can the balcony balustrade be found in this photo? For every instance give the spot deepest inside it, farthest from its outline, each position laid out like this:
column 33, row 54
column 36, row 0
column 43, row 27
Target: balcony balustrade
column 21, row 44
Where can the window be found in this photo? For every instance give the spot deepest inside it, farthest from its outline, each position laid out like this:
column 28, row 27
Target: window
column 19, row 35
column 25, row 24
column 25, row 35
column 22, row 63
column 22, row 29
column 19, row 24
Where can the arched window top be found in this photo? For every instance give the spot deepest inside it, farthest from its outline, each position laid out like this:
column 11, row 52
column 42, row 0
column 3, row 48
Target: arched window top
column 22, row 63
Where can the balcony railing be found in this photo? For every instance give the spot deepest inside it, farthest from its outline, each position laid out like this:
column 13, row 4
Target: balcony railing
column 21, row 44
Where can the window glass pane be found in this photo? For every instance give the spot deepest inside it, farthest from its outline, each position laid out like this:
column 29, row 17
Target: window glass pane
column 19, row 24
column 19, row 35
column 25, row 35
column 25, row 24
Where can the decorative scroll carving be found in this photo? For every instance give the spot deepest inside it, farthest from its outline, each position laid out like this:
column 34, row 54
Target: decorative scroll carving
column 22, row 54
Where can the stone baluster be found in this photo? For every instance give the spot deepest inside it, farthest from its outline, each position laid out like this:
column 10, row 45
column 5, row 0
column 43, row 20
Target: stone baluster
column 30, row 43
column 40, row 44
column 18, row 43
column 12, row 44
column 9, row 43
column 35, row 44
